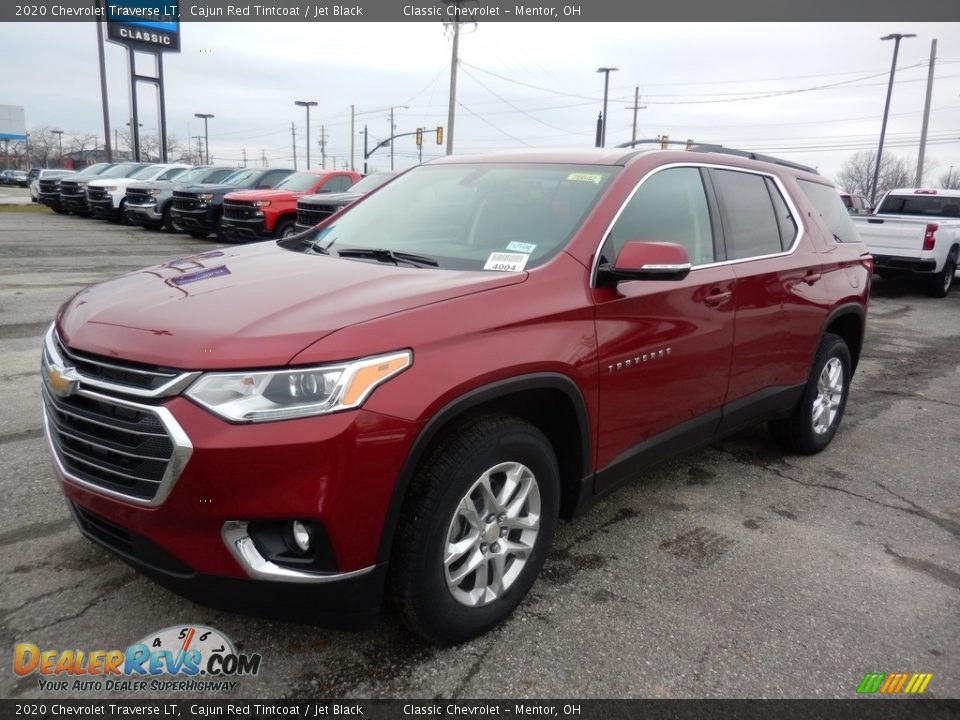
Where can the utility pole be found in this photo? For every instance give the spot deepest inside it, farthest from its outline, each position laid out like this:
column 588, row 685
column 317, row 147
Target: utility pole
column 896, row 37
column 636, row 106
column 199, row 139
column 323, row 148
column 293, row 135
column 244, row 151
column 926, row 113
column 353, row 134
column 454, row 64
column 606, row 89
column 263, row 159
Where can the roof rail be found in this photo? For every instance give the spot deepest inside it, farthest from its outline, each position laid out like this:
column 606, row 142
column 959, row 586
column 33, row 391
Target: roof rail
column 716, row 148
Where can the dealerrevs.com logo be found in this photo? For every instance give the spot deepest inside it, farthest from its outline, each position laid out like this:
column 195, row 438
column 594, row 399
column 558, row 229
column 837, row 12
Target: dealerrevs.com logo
column 186, row 658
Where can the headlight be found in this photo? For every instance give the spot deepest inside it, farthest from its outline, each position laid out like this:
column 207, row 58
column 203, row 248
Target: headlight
column 109, row 188
column 205, row 196
column 153, row 191
column 261, row 203
column 301, row 392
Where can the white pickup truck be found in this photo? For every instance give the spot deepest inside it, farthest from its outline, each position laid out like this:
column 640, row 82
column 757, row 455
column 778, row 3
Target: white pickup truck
column 917, row 231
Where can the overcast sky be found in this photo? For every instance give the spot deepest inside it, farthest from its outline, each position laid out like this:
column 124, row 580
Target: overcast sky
column 813, row 93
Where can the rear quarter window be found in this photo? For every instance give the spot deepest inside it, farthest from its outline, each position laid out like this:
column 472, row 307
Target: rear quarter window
column 828, row 204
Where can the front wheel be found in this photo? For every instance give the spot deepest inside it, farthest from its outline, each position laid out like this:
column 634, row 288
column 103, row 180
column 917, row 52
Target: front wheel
column 171, row 222
column 475, row 529
column 285, row 229
column 814, row 421
column 940, row 283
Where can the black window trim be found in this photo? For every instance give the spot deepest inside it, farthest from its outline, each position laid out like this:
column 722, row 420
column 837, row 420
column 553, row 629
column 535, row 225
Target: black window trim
column 711, row 198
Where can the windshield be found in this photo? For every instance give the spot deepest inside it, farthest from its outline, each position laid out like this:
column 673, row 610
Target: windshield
column 122, row 170
column 172, row 173
column 470, row 216
column 193, row 176
column 298, row 182
column 147, row 173
column 94, row 169
column 242, row 177
column 924, row 205
column 371, row 182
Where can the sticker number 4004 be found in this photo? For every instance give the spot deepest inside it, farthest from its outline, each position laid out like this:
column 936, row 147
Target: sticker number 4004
column 506, row 262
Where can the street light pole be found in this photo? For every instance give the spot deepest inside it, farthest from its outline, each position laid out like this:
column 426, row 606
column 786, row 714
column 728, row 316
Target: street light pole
column 896, row 37
column 606, row 88
column 206, row 132
column 59, row 134
column 307, row 104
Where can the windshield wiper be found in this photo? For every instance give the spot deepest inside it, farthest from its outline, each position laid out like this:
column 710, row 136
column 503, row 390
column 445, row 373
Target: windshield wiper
column 384, row 255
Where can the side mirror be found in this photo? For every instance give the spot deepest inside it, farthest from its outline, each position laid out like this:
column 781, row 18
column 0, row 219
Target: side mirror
column 643, row 260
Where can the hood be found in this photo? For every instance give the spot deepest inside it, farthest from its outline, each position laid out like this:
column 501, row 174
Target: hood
column 215, row 189
column 255, row 306
column 272, row 195
column 119, row 182
column 342, row 198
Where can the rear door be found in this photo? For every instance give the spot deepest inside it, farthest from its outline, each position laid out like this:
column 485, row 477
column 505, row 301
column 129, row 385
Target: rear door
column 779, row 288
column 664, row 345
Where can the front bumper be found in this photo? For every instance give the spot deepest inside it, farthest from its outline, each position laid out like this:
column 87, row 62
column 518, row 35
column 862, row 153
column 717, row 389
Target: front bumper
column 75, row 204
column 336, row 471
column 146, row 214
column 103, row 209
column 51, row 200
column 252, row 229
column 204, row 220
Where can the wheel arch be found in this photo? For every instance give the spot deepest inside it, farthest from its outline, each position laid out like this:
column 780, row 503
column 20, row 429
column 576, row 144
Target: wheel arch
column 849, row 322
column 550, row 401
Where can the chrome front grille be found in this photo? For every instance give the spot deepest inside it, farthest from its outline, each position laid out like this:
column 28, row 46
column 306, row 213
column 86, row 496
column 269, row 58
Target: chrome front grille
column 140, row 197
column 116, row 446
column 127, row 375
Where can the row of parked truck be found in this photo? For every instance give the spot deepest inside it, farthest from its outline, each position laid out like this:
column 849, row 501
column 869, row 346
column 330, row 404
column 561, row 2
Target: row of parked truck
column 236, row 204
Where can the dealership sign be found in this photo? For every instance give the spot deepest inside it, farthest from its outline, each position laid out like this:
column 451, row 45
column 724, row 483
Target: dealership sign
column 150, row 25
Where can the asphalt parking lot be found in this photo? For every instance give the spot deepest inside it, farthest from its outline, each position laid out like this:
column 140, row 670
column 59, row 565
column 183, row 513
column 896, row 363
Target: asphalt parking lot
column 731, row 572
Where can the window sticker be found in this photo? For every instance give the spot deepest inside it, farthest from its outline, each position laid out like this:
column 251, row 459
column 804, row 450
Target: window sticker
column 521, row 247
column 506, row 262
column 585, row 177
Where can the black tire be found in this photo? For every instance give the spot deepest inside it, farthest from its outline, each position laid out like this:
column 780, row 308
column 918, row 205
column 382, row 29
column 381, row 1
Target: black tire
column 151, row 227
column 939, row 284
column 60, row 211
column 285, row 228
column 797, row 433
column 170, row 221
column 418, row 575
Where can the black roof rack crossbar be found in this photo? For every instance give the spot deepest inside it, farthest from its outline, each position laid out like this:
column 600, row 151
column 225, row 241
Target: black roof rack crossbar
column 715, row 148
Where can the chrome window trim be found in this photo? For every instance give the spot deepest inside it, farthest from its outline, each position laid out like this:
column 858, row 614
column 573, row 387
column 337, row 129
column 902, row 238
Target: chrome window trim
column 787, row 199
column 241, row 546
column 174, row 386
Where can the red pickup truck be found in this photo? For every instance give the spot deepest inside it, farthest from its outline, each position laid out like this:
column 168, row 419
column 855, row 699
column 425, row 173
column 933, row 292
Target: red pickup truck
column 263, row 214
column 403, row 401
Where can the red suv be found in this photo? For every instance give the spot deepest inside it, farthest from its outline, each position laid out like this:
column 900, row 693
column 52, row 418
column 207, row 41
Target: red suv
column 405, row 399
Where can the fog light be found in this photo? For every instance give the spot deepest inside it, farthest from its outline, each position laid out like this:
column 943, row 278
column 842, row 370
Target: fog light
column 301, row 536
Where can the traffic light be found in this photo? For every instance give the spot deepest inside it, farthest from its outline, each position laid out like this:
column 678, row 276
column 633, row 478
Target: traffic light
column 439, row 135
column 419, row 137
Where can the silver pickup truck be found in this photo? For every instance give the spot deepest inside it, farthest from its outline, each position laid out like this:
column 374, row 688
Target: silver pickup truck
column 149, row 203
column 915, row 231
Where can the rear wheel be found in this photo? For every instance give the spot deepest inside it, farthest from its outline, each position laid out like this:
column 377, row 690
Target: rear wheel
column 940, row 283
column 814, row 421
column 475, row 529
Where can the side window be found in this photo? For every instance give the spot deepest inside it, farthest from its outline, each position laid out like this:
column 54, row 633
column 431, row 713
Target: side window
column 219, row 175
column 750, row 225
column 785, row 221
column 670, row 206
column 340, row 183
column 272, row 178
column 830, row 207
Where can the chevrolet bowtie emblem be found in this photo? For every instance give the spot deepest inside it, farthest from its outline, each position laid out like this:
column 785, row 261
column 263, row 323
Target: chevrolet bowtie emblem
column 62, row 381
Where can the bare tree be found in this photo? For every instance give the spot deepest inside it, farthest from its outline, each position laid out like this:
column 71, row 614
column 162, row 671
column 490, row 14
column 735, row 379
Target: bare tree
column 82, row 144
column 856, row 174
column 44, row 146
column 950, row 180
